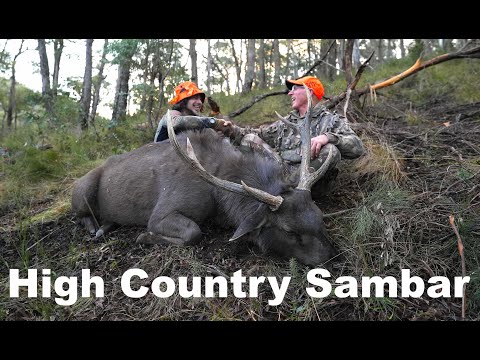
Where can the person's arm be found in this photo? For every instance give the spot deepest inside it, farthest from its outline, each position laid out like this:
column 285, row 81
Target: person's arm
column 266, row 132
column 340, row 135
column 182, row 123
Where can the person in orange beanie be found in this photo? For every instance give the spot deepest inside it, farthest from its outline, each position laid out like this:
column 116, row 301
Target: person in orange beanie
column 278, row 140
column 186, row 111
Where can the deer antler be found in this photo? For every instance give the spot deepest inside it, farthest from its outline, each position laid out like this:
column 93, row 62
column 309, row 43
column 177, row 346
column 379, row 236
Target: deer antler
column 272, row 201
column 307, row 179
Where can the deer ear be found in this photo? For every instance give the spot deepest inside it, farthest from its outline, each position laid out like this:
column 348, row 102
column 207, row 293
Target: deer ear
column 252, row 222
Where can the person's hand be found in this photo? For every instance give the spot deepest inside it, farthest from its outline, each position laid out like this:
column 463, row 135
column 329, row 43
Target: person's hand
column 316, row 145
column 224, row 127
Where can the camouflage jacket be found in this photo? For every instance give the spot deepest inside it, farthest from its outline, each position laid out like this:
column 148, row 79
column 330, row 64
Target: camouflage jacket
column 286, row 140
column 182, row 123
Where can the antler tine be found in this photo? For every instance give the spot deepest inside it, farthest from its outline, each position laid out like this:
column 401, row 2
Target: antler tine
column 191, row 159
column 288, row 123
column 313, row 177
column 306, row 144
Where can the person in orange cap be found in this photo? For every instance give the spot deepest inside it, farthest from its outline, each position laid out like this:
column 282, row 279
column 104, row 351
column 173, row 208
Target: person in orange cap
column 186, row 111
column 278, row 140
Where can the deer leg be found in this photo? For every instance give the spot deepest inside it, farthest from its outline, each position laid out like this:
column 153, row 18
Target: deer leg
column 174, row 229
column 106, row 228
column 87, row 221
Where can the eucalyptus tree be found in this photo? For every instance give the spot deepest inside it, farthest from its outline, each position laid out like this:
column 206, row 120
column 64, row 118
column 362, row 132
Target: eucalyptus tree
column 45, row 73
column 262, row 77
column 238, row 65
column 158, row 63
column 249, row 67
column 123, row 51
column 222, row 63
column 97, row 82
column 85, row 99
column 57, row 55
column 276, row 62
column 193, row 58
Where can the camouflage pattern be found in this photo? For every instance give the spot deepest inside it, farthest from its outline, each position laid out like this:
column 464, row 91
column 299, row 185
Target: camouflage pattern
column 286, row 140
column 181, row 123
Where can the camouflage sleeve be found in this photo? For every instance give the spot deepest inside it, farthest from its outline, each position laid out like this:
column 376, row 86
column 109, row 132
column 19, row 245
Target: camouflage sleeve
column 344, row 138
column 183, row 123
column 267, row 133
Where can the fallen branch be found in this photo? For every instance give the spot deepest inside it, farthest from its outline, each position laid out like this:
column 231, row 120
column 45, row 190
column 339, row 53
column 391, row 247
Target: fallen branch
column 462, row 257
column 255, row 100
column 419, row 65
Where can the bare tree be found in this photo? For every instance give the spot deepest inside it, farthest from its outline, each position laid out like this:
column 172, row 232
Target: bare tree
column 86, row 97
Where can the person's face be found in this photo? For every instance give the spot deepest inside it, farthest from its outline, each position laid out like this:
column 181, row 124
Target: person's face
column 194, row 104
column 299, row 97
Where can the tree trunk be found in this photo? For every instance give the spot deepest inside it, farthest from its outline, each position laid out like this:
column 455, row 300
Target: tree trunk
column 193, row 57
column 332, row 61
column 145, row 67
column 347, row 60
column 356, row 54
column 121, row 93
column 380, row 55
column 402, row 48
column 262, row 81
column 12, row 104
column 238, row 67
column 57, row 54
column 289, row 60
column 249, row 67
column 209, row 65
column 86, row 97
column 389, row 49
column 341, row 54
column 45, row 73
column 309, row 50
column 97, row 85
column 427, row 46
column 276, row 62
column 153, row 74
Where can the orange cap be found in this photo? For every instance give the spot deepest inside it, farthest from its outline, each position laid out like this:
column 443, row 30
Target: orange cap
column 311, row 82
column 185, row 90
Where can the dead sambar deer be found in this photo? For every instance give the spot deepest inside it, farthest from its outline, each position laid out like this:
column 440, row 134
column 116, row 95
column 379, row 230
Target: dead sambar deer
column 171, row 192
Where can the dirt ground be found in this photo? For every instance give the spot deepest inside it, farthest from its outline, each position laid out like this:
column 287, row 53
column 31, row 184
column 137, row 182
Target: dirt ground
column 434, row 155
